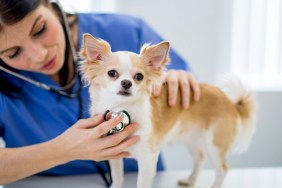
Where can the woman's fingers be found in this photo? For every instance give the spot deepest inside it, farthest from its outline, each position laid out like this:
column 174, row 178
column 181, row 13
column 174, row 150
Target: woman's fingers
column 157, row 89
column 183, row 82
column 172, row 81
column 195, row 87
column 122, row 154
column 122, row 146
column 117, row 138
column 90, row 122
column 185, row 89
column 106, row 126
column 114, row 146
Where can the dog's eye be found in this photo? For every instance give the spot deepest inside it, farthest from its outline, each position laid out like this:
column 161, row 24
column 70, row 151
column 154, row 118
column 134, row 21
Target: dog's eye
column 139, row 76
column 112, row 73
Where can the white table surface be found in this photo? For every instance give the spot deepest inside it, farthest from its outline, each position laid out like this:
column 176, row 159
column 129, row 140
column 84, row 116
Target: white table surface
column 236, row 178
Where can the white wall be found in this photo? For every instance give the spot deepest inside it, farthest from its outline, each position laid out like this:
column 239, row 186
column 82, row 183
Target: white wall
column 190, row 26
column 200, row 31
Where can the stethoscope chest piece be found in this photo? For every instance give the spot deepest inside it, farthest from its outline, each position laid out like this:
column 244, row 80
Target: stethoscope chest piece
column 125, row 120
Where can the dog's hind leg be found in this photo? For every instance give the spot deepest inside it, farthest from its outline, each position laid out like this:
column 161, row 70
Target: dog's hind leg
column 198, row 157
column 117, row 173
column 218, row 159
column 147, row 164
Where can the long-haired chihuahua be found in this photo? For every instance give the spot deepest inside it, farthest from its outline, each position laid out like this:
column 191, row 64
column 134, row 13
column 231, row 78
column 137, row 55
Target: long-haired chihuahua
column 223, row 119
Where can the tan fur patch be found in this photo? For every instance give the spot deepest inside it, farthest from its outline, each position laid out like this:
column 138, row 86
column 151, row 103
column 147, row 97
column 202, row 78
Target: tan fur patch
column 213, row 111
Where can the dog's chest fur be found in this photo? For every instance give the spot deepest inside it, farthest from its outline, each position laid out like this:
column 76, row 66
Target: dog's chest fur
column 139, row 111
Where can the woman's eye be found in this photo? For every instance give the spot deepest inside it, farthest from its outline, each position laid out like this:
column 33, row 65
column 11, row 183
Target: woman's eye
column 41, row 30
column 14, row 54
column 139, row 76
column 112, row 73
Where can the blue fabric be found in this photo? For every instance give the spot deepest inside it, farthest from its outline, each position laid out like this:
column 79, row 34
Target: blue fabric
column 37, row 115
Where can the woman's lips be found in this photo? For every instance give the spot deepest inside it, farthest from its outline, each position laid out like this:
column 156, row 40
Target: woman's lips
column 49, row 65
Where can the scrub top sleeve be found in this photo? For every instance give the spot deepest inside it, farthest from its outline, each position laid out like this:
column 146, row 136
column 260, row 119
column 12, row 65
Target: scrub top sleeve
column 1, row 130
column 148, row 35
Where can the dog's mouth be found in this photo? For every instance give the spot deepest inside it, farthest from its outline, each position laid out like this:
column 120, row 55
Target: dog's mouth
column 124, row 93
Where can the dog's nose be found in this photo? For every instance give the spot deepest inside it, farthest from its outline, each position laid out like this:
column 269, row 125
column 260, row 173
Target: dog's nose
column 126, row 84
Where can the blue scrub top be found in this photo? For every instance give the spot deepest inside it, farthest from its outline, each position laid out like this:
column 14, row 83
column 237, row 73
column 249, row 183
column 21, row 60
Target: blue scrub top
column 37, row 115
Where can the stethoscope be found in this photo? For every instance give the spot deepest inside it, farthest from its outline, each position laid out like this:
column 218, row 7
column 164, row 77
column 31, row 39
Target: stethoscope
column 126, row 120
column 58, row 90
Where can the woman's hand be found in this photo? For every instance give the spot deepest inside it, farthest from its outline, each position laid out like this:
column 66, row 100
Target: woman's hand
column 182, row 81
column 86, row 140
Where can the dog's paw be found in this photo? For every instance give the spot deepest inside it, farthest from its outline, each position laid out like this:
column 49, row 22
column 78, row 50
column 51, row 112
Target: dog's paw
column 186, row 183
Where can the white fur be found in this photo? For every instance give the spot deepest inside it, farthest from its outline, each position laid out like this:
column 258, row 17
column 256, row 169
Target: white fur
column 235, row 91
column 231, row 86
column 138, row 106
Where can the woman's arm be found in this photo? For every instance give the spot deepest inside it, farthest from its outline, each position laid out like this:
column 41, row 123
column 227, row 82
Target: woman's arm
column 83, row 141
column 17, row 163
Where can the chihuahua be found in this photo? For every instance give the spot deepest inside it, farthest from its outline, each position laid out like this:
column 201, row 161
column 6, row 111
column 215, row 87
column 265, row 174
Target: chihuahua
column 223, row 119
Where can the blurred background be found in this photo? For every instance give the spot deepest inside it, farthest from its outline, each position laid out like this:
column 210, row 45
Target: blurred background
column 217, row 36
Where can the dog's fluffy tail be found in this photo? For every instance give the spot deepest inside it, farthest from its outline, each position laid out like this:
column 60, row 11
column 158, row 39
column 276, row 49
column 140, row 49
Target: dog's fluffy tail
column 246, row 106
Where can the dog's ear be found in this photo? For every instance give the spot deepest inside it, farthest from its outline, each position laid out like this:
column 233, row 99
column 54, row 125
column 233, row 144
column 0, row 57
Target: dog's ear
column 155, row 56
column 94, row 49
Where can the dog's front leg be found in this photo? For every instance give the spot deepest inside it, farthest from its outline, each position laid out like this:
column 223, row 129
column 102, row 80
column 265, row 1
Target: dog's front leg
column 117, row 173
column 147, row 164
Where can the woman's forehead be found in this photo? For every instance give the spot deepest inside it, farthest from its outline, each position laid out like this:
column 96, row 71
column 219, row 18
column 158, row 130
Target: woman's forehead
column 14, row 34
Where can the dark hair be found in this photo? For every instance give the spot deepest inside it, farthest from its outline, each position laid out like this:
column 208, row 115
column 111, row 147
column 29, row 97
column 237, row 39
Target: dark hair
column 11, row 12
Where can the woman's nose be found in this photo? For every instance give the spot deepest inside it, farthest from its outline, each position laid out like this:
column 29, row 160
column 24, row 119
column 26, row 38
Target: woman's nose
column 37, row 53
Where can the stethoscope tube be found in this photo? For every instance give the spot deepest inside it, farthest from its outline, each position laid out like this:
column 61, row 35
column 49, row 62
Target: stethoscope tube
column 59, row 91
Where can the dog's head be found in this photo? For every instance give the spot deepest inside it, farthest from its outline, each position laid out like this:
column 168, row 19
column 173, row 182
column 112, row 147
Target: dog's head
column 122, row 74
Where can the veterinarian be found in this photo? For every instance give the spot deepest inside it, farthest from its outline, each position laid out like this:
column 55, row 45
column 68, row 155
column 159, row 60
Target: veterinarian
column 44, row 118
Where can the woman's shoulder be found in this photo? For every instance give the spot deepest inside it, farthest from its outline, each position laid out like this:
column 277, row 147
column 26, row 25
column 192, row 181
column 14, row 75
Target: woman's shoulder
column 120, row 30
column 109, row 19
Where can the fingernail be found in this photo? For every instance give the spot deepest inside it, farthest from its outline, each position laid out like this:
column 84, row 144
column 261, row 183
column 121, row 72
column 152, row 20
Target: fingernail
column 172, row 102
column 136, row 138
column 118, row 118
column 135, row 126
column 186, row 105
column 156, row 91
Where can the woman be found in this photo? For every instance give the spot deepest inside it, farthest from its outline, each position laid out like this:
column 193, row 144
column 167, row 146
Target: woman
column 47, row 129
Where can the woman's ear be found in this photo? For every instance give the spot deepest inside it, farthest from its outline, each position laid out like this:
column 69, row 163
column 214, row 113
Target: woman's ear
column 94, row 50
